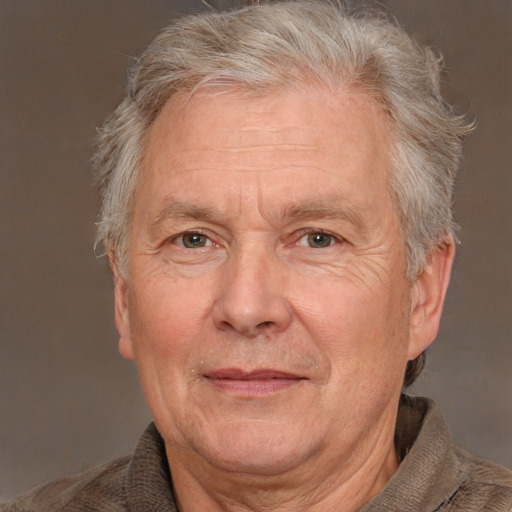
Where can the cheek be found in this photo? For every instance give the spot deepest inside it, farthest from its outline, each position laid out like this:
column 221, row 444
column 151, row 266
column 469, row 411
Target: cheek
column 363, row 328
column 168, row 320
column 167, row 317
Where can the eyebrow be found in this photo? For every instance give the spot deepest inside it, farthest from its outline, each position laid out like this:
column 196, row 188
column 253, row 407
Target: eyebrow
column 329, row 208
column 181, row 210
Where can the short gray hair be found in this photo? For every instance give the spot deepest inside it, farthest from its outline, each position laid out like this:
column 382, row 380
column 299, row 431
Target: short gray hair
column 270, row 46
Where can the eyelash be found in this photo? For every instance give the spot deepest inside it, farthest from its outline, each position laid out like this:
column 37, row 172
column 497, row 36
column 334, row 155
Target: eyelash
column 333, row 239
column 179, row 239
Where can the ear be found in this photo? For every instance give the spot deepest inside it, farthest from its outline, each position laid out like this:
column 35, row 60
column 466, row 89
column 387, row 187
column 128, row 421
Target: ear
column 428, row 294
column 121, row 312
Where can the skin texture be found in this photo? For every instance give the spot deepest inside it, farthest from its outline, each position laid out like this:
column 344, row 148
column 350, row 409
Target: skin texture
column 267, row 304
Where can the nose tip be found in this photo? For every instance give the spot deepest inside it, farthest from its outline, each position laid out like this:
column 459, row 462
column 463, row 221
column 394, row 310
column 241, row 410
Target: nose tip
column 252, row 300
column 251, row 319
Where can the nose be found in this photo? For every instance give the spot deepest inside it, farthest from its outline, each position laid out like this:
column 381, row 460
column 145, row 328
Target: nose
column 252, row 300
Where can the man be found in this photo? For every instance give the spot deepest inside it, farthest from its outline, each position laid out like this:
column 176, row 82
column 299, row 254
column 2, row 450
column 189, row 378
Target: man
column 276, row 190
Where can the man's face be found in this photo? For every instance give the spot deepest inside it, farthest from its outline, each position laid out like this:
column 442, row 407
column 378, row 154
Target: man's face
column 266, row 302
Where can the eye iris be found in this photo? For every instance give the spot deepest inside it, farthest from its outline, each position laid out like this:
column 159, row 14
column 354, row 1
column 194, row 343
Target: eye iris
column 319, row 240
column 194, row 240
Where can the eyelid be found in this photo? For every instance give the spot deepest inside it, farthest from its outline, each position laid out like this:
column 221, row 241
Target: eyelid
column 312, row 231
column 179, row 236
column 296, row 237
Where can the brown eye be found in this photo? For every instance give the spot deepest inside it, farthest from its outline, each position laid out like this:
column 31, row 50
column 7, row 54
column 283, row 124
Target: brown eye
column 193, row 240
column 319, row 240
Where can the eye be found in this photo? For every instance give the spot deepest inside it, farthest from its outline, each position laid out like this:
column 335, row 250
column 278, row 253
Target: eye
column 192, row 240
column 318, row 240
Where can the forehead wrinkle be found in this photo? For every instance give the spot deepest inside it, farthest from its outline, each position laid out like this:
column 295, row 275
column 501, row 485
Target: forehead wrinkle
column 237, row 149
column 252, row 169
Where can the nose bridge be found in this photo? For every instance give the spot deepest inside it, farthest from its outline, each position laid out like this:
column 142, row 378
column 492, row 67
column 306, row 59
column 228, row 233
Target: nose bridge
column 252, row 296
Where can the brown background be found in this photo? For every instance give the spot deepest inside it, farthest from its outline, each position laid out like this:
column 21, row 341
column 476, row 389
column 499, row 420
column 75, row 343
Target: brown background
column 67, row 399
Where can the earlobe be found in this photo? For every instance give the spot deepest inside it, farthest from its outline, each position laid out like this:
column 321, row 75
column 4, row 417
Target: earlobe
column 429, row 292
column 121, row 312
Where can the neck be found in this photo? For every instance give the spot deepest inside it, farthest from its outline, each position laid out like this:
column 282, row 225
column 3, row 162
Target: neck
column 320, row 485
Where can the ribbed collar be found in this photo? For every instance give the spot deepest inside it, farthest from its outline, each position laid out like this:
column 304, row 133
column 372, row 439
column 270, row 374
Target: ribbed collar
column 148, row 482
column 428, row 472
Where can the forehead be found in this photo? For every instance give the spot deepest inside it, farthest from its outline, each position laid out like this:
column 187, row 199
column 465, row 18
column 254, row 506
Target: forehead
column 290, row 143
column 236, row 118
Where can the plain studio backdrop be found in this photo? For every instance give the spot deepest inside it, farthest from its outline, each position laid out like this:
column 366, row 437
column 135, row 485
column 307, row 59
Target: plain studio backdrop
column 68, row 400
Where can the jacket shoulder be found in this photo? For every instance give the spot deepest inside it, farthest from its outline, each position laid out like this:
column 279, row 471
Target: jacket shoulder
column 100, row 488
column 485, row 486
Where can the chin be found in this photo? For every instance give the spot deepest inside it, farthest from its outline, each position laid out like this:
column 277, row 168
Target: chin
column 256, row 448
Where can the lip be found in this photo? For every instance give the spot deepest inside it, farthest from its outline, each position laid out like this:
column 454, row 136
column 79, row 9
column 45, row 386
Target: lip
column 260, row 374
column 253, row 383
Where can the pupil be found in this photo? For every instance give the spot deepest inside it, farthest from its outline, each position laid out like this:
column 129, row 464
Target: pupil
column 319, row 240
column 194, row 240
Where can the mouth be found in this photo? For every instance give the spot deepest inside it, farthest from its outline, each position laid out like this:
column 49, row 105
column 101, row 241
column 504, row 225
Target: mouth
column 252, row 384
